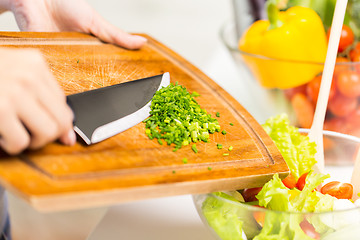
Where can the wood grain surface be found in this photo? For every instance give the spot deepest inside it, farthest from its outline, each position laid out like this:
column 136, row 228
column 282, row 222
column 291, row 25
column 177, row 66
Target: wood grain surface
column 129, row 166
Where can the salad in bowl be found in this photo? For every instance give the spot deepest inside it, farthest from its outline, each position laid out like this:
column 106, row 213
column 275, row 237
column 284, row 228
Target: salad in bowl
column 305, row 205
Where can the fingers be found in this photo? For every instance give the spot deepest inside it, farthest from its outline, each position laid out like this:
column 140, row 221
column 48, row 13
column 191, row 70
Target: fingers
column 13, row 136
column 33, row 109
column 109, row 33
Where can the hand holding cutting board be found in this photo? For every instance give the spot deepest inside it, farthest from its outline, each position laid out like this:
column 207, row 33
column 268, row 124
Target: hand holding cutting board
column 64, row 15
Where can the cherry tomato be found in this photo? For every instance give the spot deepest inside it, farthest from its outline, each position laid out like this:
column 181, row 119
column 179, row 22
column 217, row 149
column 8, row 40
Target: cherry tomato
column 353, row 119
column 290, row 92
column 342, row 64
column 341, row 105
column 356, row 62
column 250, row 193
column 338, row 190
column 353, row 122
column 303, row 109
column 309, row 229
column 346, row 38
column 289, row 181
column 301, row 181
column 348, row 83
column 312, row 89
column 355, row 52
column 337, row 124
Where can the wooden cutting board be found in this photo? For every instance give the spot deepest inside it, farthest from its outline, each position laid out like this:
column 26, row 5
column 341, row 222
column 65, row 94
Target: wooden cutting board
column 129, row 166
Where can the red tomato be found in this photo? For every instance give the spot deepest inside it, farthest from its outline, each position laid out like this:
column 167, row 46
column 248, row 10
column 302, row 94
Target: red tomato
column 355, row 52
column 341, row 105
column 337, row 124
column 348, row 83
column 290, row 92
column 250, row 193
column 303, row 109
column 356, row 60
column 301, row 181
column 338, row 190
column 312, row 89
column 289, row 181
column 354, row 117
column 346, row 38
column 342, row 64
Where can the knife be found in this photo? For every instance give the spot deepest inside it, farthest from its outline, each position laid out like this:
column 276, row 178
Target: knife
column 104, row 112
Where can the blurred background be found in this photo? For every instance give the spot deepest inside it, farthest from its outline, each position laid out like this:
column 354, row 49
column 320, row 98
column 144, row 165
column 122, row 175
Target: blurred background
column 190, row 28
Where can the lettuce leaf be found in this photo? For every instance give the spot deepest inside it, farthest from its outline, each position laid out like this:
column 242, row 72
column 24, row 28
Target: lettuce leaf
column 276, row 196
column 221, row 216
column 296, row 149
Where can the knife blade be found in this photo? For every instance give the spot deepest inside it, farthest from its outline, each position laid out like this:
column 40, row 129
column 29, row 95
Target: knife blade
column 104, row 112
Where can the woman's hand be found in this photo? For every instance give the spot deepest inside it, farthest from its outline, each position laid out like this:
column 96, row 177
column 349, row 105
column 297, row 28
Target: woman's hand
column 33, row 109
column 69, row 15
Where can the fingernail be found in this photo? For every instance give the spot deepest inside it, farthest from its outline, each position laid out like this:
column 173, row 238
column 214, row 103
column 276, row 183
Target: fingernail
column 140, row 38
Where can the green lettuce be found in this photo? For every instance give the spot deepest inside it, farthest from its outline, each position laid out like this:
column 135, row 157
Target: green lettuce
column 276, row 196
column 296, row 149
column 229, row 220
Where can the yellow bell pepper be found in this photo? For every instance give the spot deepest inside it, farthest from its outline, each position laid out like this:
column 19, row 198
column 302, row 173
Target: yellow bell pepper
column 287, row 50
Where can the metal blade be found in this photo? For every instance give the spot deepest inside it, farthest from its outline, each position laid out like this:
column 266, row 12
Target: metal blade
column 105, row 112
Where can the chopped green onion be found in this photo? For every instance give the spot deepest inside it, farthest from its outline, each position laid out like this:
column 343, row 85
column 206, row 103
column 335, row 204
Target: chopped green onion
column 231, row 124
column 219, row 146
column 209, row 168
column 223, row 132
column 178, row 119
column 185, row 160
column 226, row 154
column 230, row 148
column 217, row 114
column 193, row 147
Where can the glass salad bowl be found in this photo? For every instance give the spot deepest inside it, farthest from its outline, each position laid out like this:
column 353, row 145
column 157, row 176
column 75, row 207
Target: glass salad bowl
column 257, row 71
column 228, row 218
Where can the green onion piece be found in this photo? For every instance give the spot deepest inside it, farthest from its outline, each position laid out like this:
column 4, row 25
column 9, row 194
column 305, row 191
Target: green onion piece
column 185, row 160
column 209, row 168
column 217, row 114
column 223, row 132
column 230, row 148
column 193, row 147
column 226, row 154
column 219, row 146
column 231, row 124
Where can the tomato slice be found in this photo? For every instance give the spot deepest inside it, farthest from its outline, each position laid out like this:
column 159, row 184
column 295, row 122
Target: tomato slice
column 338, row 190
column 290, row 181
column 301, row 181
column 309, row 229
column 250, row 193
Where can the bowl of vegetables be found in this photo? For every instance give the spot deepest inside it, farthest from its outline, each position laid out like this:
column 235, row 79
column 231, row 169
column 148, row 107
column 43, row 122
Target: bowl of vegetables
column 287, row 62
column 304, row 205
